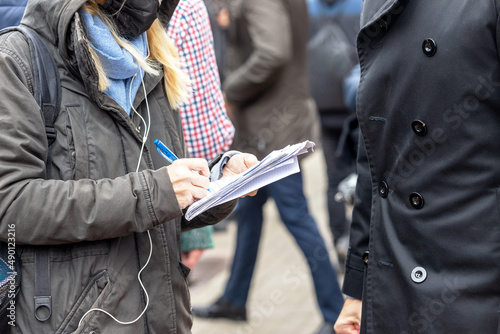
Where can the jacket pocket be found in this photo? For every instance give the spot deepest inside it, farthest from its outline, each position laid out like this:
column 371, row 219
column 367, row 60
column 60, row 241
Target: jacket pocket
column 76, row 126
column 93, row 296
column 185, row 270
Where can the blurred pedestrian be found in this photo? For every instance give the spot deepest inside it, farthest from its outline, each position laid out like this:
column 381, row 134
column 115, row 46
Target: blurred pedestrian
column 208, row 130
column 268, row 93
column 218, row 12
column 331, row 56
column 425, row 236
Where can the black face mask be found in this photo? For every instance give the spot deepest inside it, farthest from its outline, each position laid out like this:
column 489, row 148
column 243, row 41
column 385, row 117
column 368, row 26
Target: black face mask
column 132, row 17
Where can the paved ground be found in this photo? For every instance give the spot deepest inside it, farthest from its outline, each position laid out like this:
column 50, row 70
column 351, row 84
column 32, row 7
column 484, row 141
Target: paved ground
column 282, row 299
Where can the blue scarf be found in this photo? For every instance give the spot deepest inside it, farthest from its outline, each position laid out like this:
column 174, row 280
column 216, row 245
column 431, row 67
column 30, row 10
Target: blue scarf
column 119, row 64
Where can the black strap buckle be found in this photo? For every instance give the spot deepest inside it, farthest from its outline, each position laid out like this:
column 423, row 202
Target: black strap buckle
column 43, row 299
column 43, row 308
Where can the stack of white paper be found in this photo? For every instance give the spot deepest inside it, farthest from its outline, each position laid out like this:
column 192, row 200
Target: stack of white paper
column 275, row 166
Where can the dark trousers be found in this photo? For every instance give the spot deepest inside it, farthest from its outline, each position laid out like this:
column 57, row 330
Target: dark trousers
column 292, row 205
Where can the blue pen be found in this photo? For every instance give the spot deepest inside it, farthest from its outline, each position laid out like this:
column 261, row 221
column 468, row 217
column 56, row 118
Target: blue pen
column 164, row 151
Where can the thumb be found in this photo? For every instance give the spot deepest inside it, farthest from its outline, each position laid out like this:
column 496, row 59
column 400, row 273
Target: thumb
column 250, row 160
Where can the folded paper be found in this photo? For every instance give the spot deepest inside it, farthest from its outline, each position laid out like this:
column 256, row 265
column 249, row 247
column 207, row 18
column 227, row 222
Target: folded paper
column 275, row 166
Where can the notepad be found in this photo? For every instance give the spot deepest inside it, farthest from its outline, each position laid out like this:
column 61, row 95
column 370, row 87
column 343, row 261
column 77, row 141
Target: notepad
column 275, row 166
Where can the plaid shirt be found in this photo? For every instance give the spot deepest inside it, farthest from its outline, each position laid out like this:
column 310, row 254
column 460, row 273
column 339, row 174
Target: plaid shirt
column 207, row 128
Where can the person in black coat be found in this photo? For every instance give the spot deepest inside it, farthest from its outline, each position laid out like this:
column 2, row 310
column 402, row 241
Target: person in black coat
column 424, row 251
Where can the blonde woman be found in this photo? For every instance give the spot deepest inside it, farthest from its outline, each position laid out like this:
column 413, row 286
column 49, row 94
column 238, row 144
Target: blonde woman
column 112, row 212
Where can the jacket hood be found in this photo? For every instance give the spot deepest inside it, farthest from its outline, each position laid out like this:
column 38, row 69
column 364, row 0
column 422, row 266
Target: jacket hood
column 52, row 20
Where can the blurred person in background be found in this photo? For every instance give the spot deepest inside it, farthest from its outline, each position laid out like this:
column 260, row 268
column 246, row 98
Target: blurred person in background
column 268, row 97
column 208, row 131
column 218, row 12
column 331, row 56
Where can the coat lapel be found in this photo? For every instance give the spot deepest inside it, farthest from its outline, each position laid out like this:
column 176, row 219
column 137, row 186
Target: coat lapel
column 374, row 10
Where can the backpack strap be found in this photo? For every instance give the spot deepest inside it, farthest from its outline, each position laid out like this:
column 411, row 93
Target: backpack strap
column 47, row 84
column 46, row 90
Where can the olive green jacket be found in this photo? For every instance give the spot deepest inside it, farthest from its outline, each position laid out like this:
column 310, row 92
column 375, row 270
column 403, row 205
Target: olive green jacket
column 95, row 211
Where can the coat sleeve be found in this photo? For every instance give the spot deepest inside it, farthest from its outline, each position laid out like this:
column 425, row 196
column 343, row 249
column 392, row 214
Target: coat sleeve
column 270, row 31
column 44, row 212
column 360, row 228
column 209, row 217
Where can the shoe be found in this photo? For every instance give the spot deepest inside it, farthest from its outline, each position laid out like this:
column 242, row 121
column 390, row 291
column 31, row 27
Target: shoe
column 325, row 328
column 221, row 309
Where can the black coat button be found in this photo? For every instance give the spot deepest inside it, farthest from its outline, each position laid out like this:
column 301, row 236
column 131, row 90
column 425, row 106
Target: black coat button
column 419, row 127
column 383, row 189
column 416, row 200
column 429, row 47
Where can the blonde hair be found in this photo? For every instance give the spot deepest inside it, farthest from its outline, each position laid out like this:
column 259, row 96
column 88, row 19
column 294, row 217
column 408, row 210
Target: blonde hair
column 162, row 51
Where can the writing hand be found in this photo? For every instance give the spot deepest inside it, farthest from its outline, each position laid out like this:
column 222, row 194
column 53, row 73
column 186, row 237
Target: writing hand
column 190, row 180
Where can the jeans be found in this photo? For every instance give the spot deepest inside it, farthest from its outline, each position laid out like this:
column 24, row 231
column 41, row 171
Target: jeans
column 292, row 205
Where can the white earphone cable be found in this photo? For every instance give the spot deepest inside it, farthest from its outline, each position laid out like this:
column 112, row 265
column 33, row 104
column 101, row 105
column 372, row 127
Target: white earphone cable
column 145, row 137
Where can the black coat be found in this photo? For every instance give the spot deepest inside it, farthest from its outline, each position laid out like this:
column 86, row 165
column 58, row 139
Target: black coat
column 427, row 206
